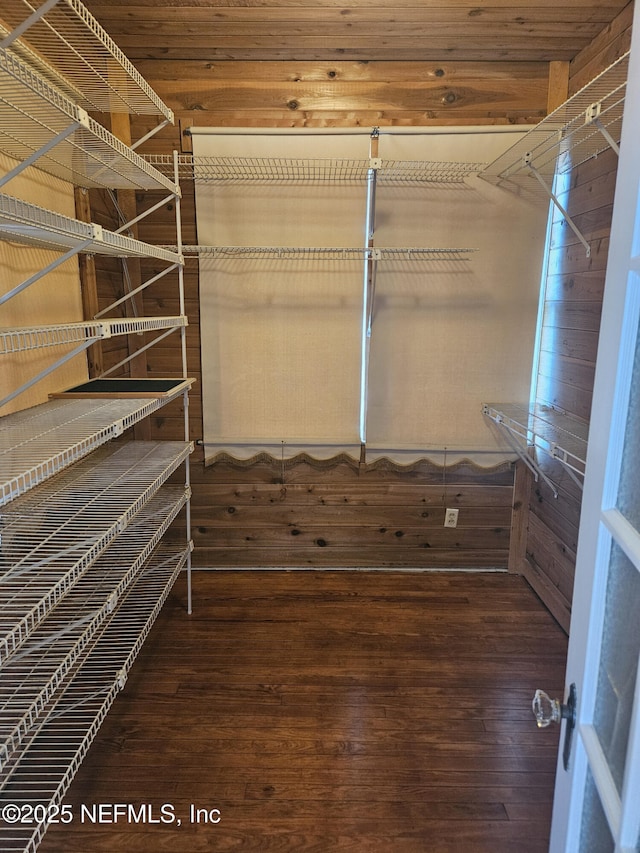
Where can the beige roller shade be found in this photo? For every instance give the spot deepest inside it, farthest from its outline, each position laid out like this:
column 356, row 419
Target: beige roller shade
column 282, row 339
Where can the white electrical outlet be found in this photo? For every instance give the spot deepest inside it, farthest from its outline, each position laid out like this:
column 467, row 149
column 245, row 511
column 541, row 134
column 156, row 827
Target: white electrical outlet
column 451, row 518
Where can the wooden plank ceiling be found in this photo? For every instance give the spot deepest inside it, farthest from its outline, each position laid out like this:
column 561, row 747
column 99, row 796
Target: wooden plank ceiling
column 296, row 63
column 365, row 30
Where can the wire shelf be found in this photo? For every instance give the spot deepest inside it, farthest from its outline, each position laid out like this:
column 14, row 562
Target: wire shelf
column 39, row 337
column 76, row 54
column 37, row 226
column 30, row 679
column 559, row 435
column 323, row 254
column 407, row 171
column 33, row 113
column 262, row 169
column 67, row 727
column 53, row 535
column 572, row 133
column 39, row 442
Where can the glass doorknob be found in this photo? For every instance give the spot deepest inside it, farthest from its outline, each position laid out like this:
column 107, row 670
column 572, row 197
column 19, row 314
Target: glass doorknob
column 547, row 710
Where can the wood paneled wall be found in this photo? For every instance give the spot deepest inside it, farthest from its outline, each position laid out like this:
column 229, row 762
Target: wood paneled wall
column 346, row 515
column 571, row 323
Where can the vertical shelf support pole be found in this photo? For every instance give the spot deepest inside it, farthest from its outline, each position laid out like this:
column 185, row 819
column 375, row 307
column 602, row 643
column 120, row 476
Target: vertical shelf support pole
column 369, row 277
column 183, row 343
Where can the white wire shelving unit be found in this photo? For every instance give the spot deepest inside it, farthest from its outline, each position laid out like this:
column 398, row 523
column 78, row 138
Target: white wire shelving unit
column 572, row 133
column 36, row 226
column 278, row 253
column 369, row 173
column 38, row 442
column 583, row 127
column 53, row 535
column 35, row 672
column 81, row 58
column 61, row 735
column 84, row 563
column 38, row 123
column 274, row 169
column 27, row 338
column 83, row 575
column 542, row 428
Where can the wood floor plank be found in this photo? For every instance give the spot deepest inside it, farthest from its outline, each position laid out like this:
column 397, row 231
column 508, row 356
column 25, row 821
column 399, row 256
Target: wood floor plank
column 337, row 711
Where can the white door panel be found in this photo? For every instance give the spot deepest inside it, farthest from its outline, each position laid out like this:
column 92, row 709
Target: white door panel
column 597, row 799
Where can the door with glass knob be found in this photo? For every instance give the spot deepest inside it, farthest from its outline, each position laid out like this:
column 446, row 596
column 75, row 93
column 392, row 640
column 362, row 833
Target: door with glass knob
column 597, row 796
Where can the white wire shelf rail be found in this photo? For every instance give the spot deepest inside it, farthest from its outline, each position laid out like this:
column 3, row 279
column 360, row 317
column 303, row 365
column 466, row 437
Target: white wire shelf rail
column 66, row 729
column 80, row 336
column 73, row 50
column 262, row 169
column 587, row 124
column 31, row 678
column 28, row 223
column 39, row 442
column 39, row 337
column 38, row 124
column 52, row 536
column 325, row 253
column 559, row 435
column 584, row 126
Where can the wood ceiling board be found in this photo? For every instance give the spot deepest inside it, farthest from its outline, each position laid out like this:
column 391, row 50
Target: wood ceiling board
column 502, row 30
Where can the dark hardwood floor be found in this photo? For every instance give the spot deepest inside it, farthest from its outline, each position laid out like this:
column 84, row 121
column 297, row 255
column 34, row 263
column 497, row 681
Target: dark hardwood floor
column 329, row 711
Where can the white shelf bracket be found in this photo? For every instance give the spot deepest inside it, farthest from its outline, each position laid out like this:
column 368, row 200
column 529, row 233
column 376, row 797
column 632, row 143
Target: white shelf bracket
column 144, row 214
column 139, row 351
column 53, row 265
column 518, row 448
column 151, row 133
column 56, row 364
column 29, row 161
column 561, row 455
column 528, row 163
column 592, row 116
column 32, row 19
column 137, row 290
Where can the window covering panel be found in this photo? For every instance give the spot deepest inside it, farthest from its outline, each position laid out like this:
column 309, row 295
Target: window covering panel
column 449, row 335
column 282, row 339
